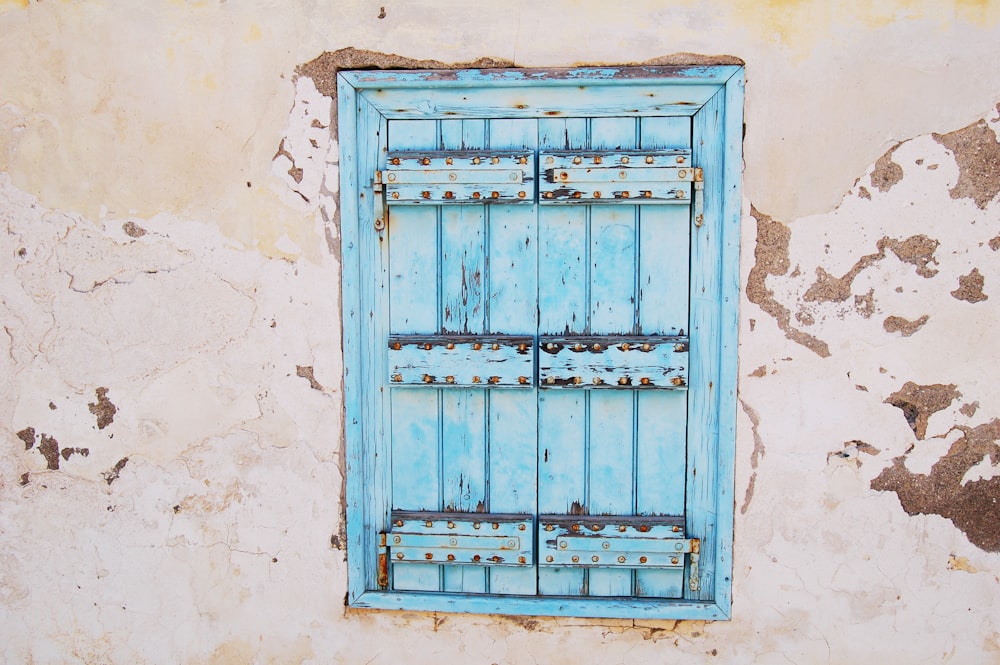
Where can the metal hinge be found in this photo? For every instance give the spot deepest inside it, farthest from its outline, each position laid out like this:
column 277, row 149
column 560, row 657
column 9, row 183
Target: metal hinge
column 381, row 209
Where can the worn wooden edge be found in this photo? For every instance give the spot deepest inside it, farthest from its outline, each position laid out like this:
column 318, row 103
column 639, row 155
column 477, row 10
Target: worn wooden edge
column 558, row 76
column 554, row 606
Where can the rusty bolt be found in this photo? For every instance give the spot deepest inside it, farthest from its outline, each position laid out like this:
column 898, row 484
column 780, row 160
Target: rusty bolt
column 522, row 160
column 425, row 161
column 550, row 380
column 549, row 527
column 564, row 176
column 596, row 347
column 644, row 380
column 677, row 381
column 522, row 380
column 625, row 346
column 598, row 160
column 475, row 379
column 624, row 160
column 682, row 173
column 521, row 195
column 576, row 559
column 495, row 160
column 648, row 194
column 397, row 377
column 395, row 160
column 475, row 160
column 625, row 195
column 597, row 381
column 495, row 195
column 427, row 347
column 476, row 525
column 399, row 522
column 646, row 347
column 595, row 558
column 451, row 557
column 577, row 160
column 577, row 195
column 575, row 527
column 449, row 379
column 397, row 346
column 496, row 526
column 623, row 381
column 399, row 555
column 449, row 195
column 649, row 159
column 642, row 559
column 426, row 195
column 450, row 346
column 550, row 558
column 595, row 527
column 477, row 346
column 475, row 195
column 449, row 160
column 476, row 558
column 622, row 528
column 495, row 347
column 578, row 347
column 597, row 195
column 548, row 195
column 674, row 560
column 521, row 527
column 494, row 379
column 428, row 556
column 521, row 559
column 395, row 195
column 522, row 347
column 644, row 528
column 621, row 559
column 680, row 160
column 428, row 378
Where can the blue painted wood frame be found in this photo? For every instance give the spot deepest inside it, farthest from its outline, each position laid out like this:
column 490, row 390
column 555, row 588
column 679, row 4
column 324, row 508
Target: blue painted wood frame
column 713, row 98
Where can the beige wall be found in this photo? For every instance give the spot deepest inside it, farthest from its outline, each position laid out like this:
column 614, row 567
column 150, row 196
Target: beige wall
column 169, row 297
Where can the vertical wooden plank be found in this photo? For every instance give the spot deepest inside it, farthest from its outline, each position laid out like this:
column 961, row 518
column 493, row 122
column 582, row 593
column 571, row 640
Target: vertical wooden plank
column 704, row 376
column 562, row 309
column 613, row 263
column 662, row 308
column 414, row 306
column 512, row 282
column 463, row 310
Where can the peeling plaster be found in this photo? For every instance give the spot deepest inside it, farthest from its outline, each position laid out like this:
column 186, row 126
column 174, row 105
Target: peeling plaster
column 977, row 152
column 904, row 326
column 970, row 287
column 919, row 403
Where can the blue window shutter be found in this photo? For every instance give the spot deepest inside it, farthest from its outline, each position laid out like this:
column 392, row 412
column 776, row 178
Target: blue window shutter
column 540, row 278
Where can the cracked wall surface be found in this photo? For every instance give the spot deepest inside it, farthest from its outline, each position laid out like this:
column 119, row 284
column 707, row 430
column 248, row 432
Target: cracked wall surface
column 170, row 424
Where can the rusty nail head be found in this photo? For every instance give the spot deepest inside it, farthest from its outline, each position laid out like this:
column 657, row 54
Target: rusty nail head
column 494, row 379
column 428, row 524
column 451, row 557
column 549, row 527
column 679, row 348
column 577, row 160
column 475, row 195
column 578, row 347
column 476, row 557
column 425, row 161
column 597, row 195
column 595, row 558
column 391, row 177
column 477, row 346
column 577, row 195
column 495, row 160
column 606, row 545
column 395, row 195
column 451, row 525
column 397, row 377
column 550, row 346
column 399, row 555
column 522, row 380
column 495, row 195
column 576, row 559
column 649, row 159
column 624, row 160
column 622, row 528
column 475, row 160
column 550, row 380
column 677, row 381
column 680, row 193
column 523, row 160
column 449, row 160
column 496, row 347
column 550, row 160
column 597, row 347
column 626, row 347
column 550, row 558
column 676, row 529
column 426, row 195
column 597, row 160
column 644, row 528
column 621, row 559
column 522, row 347
column 644, row 381
column 450, row 345
column 577, row 380
column 576, row 527
column 496, row 559
column 399, row 522
column 476, row 525
column 597, row 381
column 520, row 559
column 595, row 527
column 395, row 160
column 521, row 195
column 475, row 379
column 449, row 195
column 548, row 195
column 521, row 527
column 642, row 559
column 623, row 381
column 428, row 556
column 674, row 560
column 648, row 194
column 397, row 346
column 680, row 160
column 428, row 378
column 427, row 347
column 625, row 195
column 496, row 526
column 646, row 347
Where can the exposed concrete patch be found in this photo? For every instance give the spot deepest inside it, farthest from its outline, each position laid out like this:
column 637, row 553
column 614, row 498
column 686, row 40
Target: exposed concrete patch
column 918, row 403
column 864, row 193
column 49, row 448
column 306, row 372
column 69, row 452
column 970, row 287
column 103, row 409
column 906, row 327
column 758, row 452
column 27, row 435
column 995, row 243
column 970, row 409
column 865, row 304
column 916, row 250
column 771, row 258
column 972, row 507
column 977, row 154
column 887, row 172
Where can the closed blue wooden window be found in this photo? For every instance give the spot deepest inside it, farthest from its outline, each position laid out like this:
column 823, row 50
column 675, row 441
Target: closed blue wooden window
column 540, row 274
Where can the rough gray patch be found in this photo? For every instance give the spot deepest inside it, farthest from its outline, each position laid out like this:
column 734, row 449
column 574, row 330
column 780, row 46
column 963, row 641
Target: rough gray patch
column 918, row 403
column 970, row 287
column 977, row 155
column 903, row 326
column 887, row 172
column 771, row 258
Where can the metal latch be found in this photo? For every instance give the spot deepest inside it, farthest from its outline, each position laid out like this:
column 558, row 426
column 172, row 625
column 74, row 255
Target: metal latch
column 462, row 361
column 652, row 362
column 637, row 542
column 616, row 176
column 484, row 539
column 460, row 176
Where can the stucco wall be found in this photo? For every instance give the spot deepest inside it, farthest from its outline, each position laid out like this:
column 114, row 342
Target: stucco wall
column 170, row 401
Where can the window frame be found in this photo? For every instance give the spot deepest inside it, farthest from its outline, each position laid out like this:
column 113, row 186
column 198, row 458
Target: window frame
column 713, row 96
